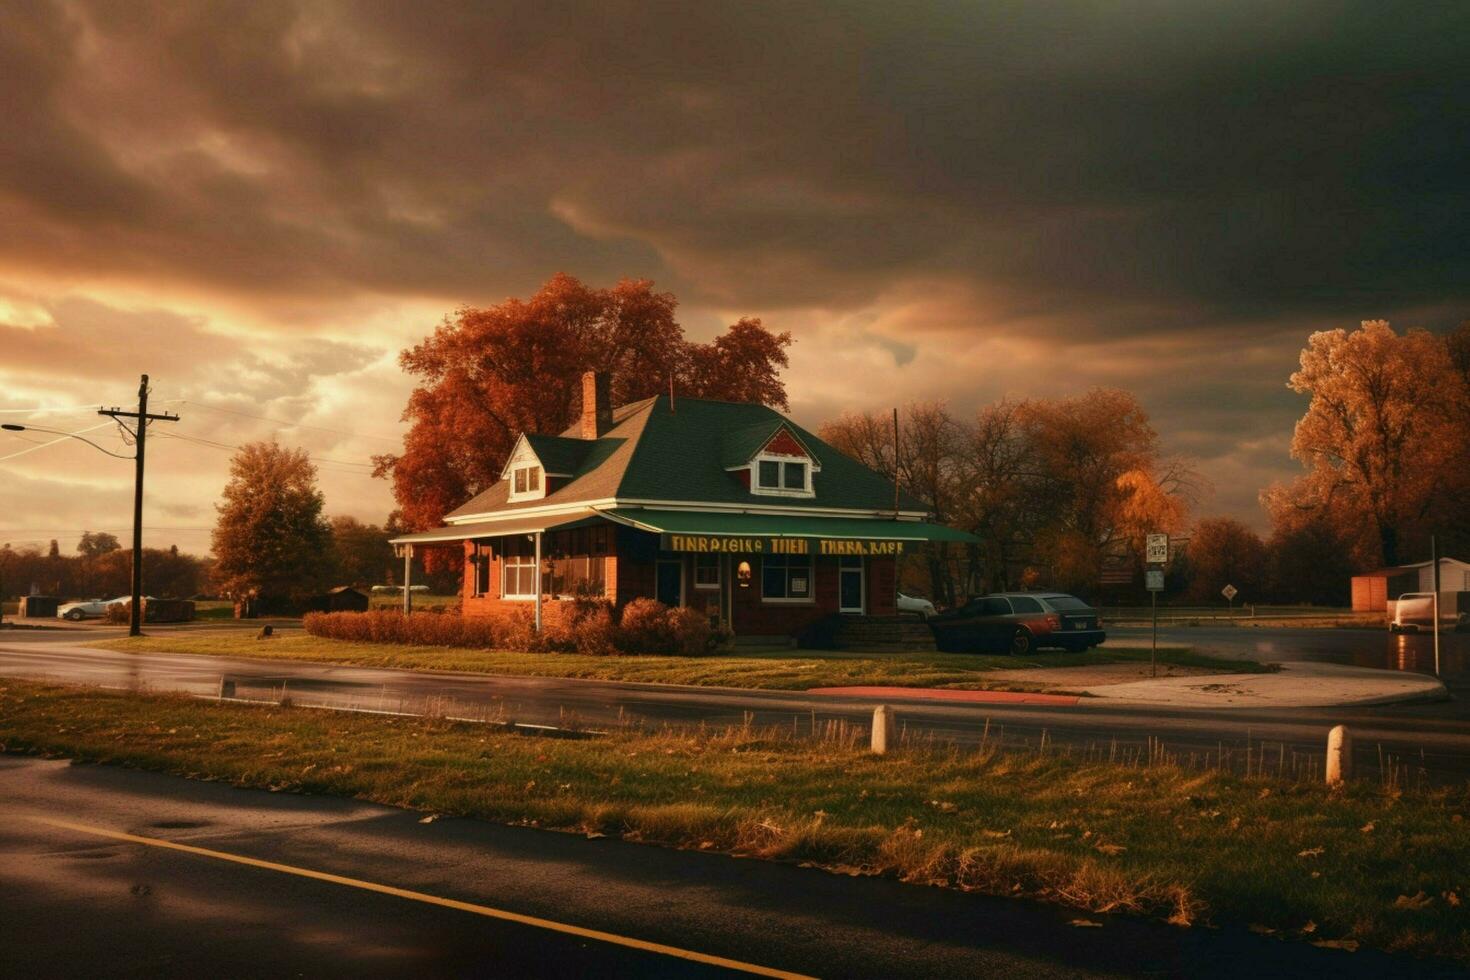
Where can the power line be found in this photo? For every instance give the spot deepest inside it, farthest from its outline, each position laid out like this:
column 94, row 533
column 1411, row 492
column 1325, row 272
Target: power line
column 63, row 438
column 64, row 409
column 230, row 447
column 294, row 425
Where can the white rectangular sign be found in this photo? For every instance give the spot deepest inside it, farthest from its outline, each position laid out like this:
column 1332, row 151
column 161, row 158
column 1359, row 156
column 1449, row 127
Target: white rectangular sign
column 1154, row 579
column 1156, row 550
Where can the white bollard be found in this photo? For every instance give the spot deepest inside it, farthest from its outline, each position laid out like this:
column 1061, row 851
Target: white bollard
column 1339, row 756
column 882, row 728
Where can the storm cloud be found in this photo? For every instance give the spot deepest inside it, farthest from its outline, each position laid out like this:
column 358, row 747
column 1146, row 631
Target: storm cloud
column 939, row 200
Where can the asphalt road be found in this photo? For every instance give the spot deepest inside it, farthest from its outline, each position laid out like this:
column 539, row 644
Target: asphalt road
column 1429, row 743
column 75, row 900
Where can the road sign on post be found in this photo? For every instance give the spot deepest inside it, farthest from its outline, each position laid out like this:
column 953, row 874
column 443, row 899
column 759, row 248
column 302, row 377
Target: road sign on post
column 1230, row 592
column 1154, row 579
column 1156, row 549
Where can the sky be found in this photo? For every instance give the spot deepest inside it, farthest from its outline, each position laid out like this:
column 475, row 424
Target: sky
column 260, row 204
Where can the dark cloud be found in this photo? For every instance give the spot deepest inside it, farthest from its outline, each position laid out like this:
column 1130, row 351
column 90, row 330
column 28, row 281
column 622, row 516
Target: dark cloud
column 932, row 177
column 1244, row 157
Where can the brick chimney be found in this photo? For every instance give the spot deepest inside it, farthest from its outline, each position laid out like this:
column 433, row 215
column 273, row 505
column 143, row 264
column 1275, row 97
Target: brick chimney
column 596, row 405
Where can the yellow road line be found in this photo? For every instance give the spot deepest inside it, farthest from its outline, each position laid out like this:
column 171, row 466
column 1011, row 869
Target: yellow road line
column 448, row 903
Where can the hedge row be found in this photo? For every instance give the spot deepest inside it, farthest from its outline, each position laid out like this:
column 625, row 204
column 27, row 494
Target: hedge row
column 646, row 626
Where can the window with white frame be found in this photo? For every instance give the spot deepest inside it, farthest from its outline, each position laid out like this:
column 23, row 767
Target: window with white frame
column 525, row 480
column 518, row 577
column 706, row 571
column 782, row 477
column 786, row 578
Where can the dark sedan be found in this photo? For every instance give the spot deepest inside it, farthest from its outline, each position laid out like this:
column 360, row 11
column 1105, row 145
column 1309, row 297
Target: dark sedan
column 1018, row 622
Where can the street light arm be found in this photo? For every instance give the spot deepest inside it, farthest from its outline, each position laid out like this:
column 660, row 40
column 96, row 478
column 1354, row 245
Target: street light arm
column 10, row 427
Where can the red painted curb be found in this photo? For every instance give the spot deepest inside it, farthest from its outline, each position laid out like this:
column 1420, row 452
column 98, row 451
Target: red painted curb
column 933, row 694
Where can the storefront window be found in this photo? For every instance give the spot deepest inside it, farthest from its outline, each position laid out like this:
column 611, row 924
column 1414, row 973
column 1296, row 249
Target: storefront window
column 706, row 571
column 786, row 577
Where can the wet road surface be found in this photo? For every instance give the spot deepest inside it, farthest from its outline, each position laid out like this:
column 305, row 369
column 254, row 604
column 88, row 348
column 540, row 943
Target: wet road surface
column 75, row 902
column 1407, row 743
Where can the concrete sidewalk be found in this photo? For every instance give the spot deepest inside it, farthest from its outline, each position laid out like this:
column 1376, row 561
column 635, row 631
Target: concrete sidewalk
column 1299, row 684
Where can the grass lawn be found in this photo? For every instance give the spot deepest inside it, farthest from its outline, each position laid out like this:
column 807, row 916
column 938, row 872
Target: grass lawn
column 780, row 669
column 1338, row 867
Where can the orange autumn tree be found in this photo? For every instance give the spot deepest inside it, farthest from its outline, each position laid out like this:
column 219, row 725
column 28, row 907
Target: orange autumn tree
column 1049, row 486
column 1383, row 439
column 488, row 374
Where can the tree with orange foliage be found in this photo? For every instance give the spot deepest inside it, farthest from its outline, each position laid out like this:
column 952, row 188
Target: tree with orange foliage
column 1383, row 439
column 487, row 375
column 1222, row 551
column 271, row 538
column 1100, row 480
column 1051, row 484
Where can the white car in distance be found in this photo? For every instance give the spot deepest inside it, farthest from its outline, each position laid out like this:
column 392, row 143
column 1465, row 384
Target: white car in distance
column 91, row 608
column 914, row 604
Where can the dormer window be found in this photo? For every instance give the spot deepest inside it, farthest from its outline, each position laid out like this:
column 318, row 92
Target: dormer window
column 777, row 474
column 526, row 480
column 782, row 477
column 774, row 463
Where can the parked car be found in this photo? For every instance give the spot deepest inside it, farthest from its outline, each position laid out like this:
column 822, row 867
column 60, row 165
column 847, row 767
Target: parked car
column 91, row 608
column 915, row 604
column 1414, row 611
column 86, row 609
column 1017, row 623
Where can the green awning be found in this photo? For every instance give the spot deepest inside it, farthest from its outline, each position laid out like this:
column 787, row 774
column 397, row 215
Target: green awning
column 739, row 532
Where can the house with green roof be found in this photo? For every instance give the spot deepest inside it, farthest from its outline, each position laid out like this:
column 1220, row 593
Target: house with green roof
column 726, row 507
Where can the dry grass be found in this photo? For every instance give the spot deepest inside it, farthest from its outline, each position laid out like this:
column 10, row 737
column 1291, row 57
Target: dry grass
column 1361, row 865
column 780, row 669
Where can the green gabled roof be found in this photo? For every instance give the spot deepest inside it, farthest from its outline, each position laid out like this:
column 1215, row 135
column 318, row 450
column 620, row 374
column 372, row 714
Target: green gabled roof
column 683, row 452
column 678, row 454
column 743, row 442
column 785, row 525
column 559, row 454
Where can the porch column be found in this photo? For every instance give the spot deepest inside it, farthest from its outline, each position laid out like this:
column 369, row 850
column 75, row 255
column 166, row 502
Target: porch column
column 407, row 579
column 538, row 581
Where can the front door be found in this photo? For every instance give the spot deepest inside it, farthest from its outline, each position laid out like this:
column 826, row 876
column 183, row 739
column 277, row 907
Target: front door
column 670, row 587
column 850, row 584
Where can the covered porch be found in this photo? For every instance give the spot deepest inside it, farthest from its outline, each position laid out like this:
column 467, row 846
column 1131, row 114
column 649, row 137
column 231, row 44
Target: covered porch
column 761, row 574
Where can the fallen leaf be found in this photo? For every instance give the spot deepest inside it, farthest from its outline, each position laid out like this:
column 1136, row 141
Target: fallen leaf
column 1261, row 930
column 1309, row 927
column 996, row 833
column 1180, row 919
column 1311, row 852
column 1418, row 901
column 1264, row 793
column 1367, row 828
column 1111, row 849
column 429, row 819
column 594, row 835
column 1452, row 899
column 1085, row 924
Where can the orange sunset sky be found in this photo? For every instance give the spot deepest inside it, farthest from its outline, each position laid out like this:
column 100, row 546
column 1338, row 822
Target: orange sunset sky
column 260, row 204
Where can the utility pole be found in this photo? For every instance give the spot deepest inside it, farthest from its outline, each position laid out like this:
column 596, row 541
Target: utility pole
column 1434, row 557
column 140, row 418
